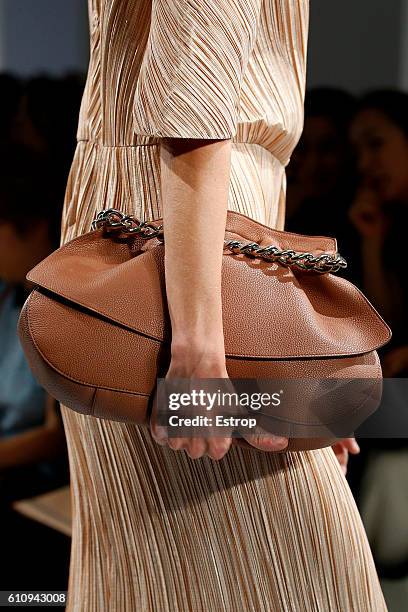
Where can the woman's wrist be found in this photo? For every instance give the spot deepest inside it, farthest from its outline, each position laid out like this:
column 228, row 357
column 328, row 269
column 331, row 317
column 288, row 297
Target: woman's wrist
column 198, row 357
column 201, row 369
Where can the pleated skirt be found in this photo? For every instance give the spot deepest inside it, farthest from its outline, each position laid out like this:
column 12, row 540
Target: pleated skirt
column 156, row 531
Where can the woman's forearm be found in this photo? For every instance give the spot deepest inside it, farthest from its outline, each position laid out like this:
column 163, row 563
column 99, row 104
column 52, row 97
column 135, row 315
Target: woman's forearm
column 195, row 179
column 195, row 176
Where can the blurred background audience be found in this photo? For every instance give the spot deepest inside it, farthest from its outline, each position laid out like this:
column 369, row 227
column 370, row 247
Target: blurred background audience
column 37, row 139
column 348, row 178
column 379, row 136
column 321, row 174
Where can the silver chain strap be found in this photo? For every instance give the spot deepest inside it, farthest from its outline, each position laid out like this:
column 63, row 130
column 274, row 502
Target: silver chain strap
column 113, row 220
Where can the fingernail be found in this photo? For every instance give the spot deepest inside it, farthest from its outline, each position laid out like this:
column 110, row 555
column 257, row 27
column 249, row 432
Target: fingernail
column 177, row 444
column 222, row 448
column 279, row 439
column 276, row 440
column 161, row 432
column 162, row 442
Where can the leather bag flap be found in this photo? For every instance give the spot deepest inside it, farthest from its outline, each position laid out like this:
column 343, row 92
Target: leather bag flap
column 271, row 312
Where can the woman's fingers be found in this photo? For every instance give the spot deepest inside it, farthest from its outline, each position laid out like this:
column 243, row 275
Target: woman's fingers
column 158, row 432
column 196, row 447
column 343, row 448
column 267, row 441
column 214, row 445
column 351, row 445
column 177, row 443
column 264, row 438
column 218, row 447
column 342, row 457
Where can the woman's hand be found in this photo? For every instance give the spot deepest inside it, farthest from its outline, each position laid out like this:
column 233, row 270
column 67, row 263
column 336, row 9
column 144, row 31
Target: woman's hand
column 215, row 447
column 341, row 450
column 207, row 366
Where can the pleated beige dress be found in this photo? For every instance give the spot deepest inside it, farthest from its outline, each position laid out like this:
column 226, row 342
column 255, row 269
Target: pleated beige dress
column 154, row 530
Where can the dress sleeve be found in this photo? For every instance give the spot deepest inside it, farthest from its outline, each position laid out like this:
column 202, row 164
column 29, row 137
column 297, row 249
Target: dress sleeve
column 192, row 70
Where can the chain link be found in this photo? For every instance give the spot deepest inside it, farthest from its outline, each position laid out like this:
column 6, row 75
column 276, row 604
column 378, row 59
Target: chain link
column 112, row 220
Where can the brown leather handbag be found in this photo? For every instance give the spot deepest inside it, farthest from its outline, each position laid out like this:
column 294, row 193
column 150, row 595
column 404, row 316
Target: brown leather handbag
column 96, row 329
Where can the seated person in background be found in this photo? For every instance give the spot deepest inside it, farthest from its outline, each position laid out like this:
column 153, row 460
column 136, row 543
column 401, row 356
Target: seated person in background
column 379, row 134
column 321, row 176
column 33, row 455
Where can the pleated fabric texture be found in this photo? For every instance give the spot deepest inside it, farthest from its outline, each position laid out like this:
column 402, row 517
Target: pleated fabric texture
column 154, row 530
